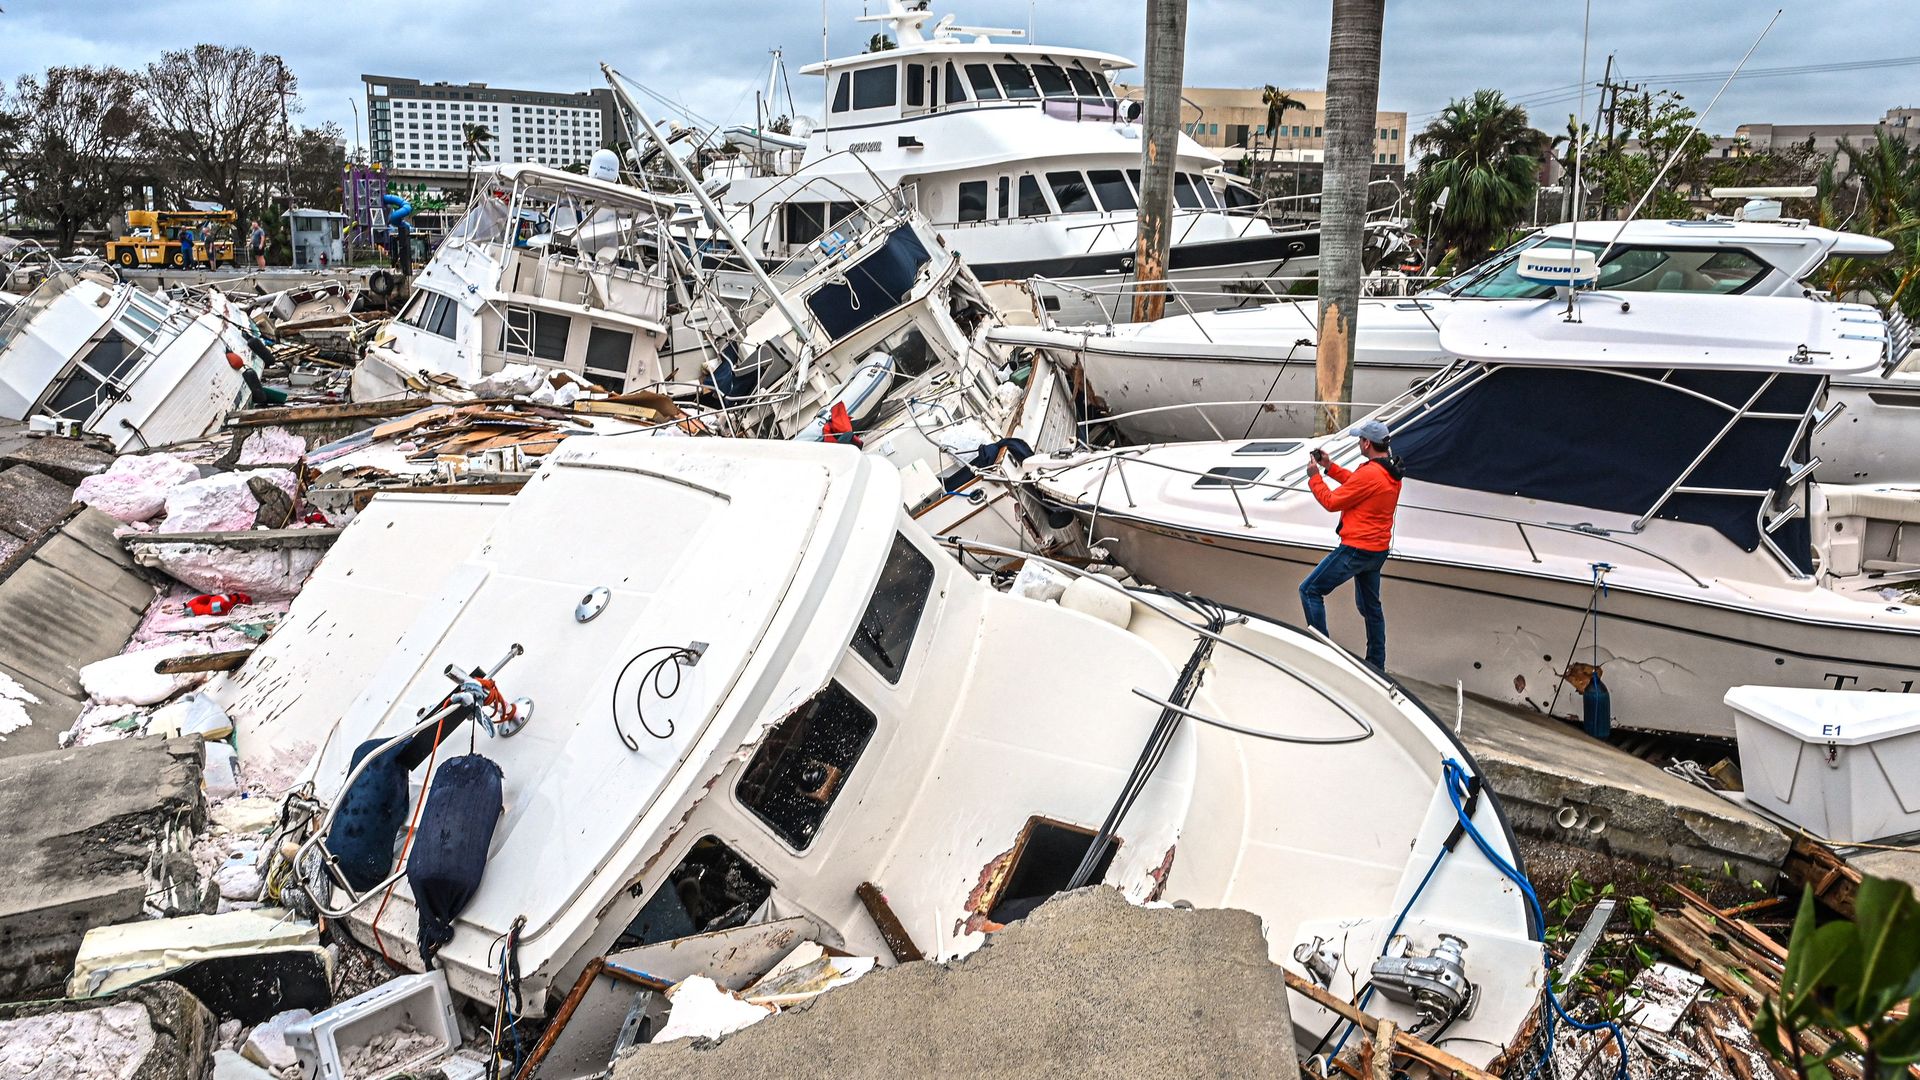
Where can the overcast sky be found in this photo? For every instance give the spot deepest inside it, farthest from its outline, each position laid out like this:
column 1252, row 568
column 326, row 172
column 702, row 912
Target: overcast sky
column 711, row 55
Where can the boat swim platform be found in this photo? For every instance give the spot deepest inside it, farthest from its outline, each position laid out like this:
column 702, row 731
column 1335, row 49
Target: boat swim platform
column 1579, row 804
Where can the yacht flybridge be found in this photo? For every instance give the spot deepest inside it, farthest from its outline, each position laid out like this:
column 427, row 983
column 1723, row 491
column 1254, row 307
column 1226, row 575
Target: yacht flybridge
column 1254, row 367
column 1024, row 159
column 1629, row 487
column 138, row 368
column 783, row 689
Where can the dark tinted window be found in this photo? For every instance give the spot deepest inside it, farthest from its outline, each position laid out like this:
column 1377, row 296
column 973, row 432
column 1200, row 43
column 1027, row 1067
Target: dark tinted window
column 804, row 221
column 982, row 81
column 801, row 765
column 973, row 200
column 873, row 88
column 446, row 316
column 955, row 91
column 1183, row 193
column 916, row 84
column 1018, row 83
column 840, row 95
column 1205, row 189
column 1006, row 197
column 608, row 349
column 1083, row 84
column 1133, row 177
column 1053, row 81
column 1070, row 191
column 885, row 634
column 1032, row 203
column 1111, row 188
column 534, row 333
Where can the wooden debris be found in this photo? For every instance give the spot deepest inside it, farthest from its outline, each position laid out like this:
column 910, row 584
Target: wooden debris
column 351, row 410
column 1834, row 883
column 218, row 661
column 239, row 539
column 899, row 942
column 1377, row 1058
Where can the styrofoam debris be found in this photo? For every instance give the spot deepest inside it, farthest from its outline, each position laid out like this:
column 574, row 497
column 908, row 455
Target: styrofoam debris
column 245, row 815
column 135, row 487
column 272, row 446
column 514, row 380
column 262, row 574
column 239, row 879
column 1038, row 581
column 194, row 714
column 104, row 723
column 129, row 679
column 267, row 1044
column 14, row 700
column 701, row 1007
column 110, row 1042
column 219, row 503
column 220, row 777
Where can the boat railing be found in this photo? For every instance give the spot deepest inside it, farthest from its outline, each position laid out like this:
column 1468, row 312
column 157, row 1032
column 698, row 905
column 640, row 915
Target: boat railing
column 1294, row 481
column 1201, row 407
column 58, row 280
column 1115, row 300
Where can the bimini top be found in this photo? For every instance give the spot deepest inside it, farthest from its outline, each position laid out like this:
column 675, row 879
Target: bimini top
column 1673, row 331
column 561, row 182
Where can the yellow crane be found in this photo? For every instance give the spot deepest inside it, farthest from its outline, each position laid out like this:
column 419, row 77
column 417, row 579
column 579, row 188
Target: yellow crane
column 154, row 238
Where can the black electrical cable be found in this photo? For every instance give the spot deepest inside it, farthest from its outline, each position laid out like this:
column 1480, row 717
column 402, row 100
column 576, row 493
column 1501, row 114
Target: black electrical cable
column 655, row 676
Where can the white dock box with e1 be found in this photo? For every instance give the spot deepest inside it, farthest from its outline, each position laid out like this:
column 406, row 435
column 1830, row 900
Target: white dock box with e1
column 1842, row 764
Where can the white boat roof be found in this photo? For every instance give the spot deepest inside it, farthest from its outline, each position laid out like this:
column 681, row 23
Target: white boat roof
column 548, row 178
column 913, row 36
column 1721, row 232
column 1672, row 330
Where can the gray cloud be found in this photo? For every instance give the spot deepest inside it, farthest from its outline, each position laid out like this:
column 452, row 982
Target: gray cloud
column 710, row 56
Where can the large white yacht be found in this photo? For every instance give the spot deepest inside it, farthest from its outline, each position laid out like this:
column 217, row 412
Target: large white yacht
column 1629, row 486
column 138, row 368
column 1151, row 376
column 782, row 694
column 1025, row 160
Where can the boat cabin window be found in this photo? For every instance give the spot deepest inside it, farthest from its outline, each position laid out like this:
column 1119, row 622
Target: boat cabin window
column 842, row 97
column 542, row 334
column 885, row 634
column 874, row 87
column 80, row 392
column 1017, row 81
column 916, row 85
column 1207, row 198
column 956, row 91
column 1053, row 80
column 1110, row 187
column 1230, row 476
column 1083, row 84
column 1133, row 177
column 805, row 222
column 802, row 764
column 1627, row 269
column 1032, row 203
column 713, row 888
column 1006, row 197
column 432, row 312
column 1070, row 191
column 981, row 78
column 973, row 200
column 1184, row 194
column 1044, row 859
column 607, row 353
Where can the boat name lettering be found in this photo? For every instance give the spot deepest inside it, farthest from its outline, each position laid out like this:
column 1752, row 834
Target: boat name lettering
column 1841, row 682
column 865, row 147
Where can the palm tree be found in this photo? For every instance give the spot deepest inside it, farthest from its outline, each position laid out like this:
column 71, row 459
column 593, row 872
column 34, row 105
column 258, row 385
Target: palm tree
column 1879, row 195
column 1481, row 151
column 1278, row 102
column 1353, row 95
column 474, row 139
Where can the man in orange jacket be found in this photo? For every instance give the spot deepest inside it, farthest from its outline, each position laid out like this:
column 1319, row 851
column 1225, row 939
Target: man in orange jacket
column 1365, row 500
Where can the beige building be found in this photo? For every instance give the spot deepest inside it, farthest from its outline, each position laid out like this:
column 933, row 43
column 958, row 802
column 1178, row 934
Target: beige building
column 1900, row 121
column 1229, row 119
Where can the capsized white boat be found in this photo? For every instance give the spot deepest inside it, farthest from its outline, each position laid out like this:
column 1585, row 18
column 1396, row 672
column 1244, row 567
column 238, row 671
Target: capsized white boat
column 781, row 688
column 1253, row 368
column 1631, row 487
column 138, row 368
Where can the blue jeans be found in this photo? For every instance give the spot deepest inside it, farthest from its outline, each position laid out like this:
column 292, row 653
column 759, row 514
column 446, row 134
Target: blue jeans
column 1363, row 569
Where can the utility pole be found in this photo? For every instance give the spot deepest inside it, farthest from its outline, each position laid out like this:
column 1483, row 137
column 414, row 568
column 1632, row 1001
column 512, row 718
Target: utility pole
column 1353, row 99
column 1610, row 109
column 1166, row 61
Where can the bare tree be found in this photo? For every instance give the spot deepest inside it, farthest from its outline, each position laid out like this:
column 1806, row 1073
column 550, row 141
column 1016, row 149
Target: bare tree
column 1353, row 93
column 221, row 116
column 77, row 132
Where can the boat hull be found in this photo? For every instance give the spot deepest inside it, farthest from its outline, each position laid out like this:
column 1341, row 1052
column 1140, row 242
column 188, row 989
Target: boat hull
column 1508, row 636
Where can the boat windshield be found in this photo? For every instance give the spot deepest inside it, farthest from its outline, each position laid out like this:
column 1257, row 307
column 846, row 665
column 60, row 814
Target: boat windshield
column 486, row 221
column 1629, row 268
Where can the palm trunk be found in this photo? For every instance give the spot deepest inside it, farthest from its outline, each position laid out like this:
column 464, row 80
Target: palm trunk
column 1353, row 93
column 1166, row 68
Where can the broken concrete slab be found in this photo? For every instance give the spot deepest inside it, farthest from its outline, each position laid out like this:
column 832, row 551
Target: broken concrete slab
column 66, row 460
column 31, row 502
column 1087, row 985
column 1560, row 786
column 157, row 1032
column 87, row 832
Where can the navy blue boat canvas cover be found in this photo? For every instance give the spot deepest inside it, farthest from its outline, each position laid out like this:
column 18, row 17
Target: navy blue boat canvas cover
column 878, row 283
column 1616, row 441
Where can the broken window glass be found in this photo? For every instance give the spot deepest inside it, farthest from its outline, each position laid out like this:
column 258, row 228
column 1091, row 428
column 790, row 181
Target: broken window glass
column 802, row 764
column 885, row 634
column 713, row 888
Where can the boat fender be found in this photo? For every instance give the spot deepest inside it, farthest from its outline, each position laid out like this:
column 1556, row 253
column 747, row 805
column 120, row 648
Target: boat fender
column 451, row 844
column 1596, row 708
column 371, row 813
column 1090, row 597
column 380, row 283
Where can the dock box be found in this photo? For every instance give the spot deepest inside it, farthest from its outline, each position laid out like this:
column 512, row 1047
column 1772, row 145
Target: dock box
column 332, row 1044
column 1842, row 764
